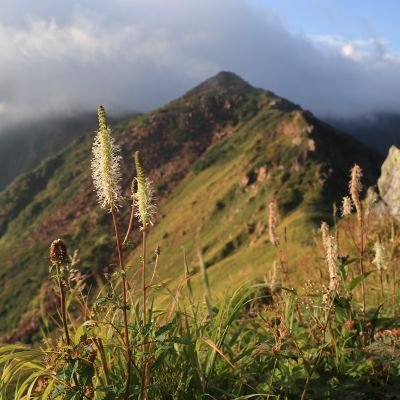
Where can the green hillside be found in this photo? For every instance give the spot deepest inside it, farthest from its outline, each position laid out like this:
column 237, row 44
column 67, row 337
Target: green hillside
column 216, row 156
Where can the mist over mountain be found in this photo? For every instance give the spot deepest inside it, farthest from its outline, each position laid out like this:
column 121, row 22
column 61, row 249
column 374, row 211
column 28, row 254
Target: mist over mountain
column 74, row 56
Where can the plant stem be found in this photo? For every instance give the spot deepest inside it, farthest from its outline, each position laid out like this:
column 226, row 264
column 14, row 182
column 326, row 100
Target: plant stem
column 128, row 231
column 99, row 344
column 393, row 269
column 361, row 227
column 394, row 290
column 124, row 301
column 64, row 317
column 63, row 309
column 315, row 366
column 187, row 277
column 206, row 283
column 144, row 238
column 145, row 371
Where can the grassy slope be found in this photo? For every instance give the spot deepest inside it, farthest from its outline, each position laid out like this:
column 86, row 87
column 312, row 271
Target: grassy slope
column 214, row 211
column 197, row 151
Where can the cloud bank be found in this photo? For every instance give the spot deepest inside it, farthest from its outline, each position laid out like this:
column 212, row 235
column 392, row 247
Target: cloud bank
column 130, row 55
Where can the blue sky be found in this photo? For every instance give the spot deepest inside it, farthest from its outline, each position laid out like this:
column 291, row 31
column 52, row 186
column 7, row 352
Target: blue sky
column 352, row 19
column 333, row 57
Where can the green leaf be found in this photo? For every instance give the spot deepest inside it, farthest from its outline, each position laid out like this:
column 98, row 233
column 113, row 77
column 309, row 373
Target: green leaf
column 357, row 280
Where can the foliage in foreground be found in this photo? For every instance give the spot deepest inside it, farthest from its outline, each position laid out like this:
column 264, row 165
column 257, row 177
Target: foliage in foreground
column 242, row 348
column 265, row 340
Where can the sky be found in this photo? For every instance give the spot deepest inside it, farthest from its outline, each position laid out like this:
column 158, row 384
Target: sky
column 351, row 19
column 333, row 57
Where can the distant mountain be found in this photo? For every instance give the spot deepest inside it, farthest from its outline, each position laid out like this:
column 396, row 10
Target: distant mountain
column 216, row 155
column 379, row 131
column 24, row 145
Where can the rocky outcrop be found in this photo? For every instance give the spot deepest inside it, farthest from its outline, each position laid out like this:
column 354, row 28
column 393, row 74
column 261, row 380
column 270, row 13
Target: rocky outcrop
column 389, row 182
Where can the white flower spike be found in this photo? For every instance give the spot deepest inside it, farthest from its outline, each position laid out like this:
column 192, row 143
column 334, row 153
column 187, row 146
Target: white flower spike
column 106, row 165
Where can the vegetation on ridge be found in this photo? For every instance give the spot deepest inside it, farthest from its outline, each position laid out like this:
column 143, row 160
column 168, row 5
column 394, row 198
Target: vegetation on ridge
column 327, row 339
column 223, row 149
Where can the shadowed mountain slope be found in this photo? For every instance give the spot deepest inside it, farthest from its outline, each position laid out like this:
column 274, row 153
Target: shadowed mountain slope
column 378, row 131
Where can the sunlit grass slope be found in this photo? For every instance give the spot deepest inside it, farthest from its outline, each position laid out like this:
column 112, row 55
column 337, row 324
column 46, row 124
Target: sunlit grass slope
column 220, row 209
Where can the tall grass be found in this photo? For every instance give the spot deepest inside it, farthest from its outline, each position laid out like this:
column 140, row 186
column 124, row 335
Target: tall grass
column 260, row 341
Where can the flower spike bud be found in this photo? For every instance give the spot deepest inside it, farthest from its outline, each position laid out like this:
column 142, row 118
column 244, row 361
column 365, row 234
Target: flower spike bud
column 331, row 258
column 134, row 187
column 325, row 235
column 346, row 206
column 144, row 197
column 380, row 256
column 273, row 220
column 106, row 165
column 370, row 200
column 355, row 189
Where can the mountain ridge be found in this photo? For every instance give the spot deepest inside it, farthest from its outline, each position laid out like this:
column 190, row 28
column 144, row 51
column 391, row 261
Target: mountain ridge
column 206, row 144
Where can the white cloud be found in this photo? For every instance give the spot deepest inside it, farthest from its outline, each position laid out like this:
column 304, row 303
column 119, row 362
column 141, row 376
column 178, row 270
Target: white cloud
column 372, row 49
column 138, row 54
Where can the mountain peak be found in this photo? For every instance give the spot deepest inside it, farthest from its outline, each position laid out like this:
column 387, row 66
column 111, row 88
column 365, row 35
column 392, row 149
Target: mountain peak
column 224, row 81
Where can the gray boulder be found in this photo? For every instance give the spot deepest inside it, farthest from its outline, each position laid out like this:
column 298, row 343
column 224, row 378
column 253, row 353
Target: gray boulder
column 389, row 181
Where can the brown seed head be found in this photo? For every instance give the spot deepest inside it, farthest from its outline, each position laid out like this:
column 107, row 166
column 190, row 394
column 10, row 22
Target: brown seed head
column 58, row 251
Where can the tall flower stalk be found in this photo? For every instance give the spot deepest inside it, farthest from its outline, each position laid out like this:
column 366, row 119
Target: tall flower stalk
column 58, row 258
column 106, row 178
column 143, row 203
column 273, row 221
column 381, row 264
column 330, row 246
column 144, row 206
column 106, row 165
column 355, row 190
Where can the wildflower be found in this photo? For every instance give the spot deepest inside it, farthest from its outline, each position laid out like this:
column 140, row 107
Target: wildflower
column 331, row 259
column 144, row 196
column 370, row 199
column 325, row 234
column 329, row 244
column 58, row 252
column 346, row 206
column 272, row 283
column 273, row 221
column 355, row 189
column 106, row 165
column 380, row 257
